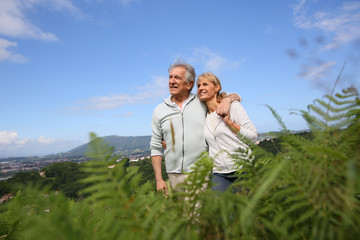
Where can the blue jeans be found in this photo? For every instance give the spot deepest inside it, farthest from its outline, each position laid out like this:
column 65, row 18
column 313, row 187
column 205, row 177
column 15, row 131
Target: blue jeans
column 221, row 181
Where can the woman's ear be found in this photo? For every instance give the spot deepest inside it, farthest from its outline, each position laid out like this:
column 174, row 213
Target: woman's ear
column 217, row 88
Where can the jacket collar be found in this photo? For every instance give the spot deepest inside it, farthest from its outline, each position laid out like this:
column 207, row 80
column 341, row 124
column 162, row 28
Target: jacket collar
column 169, row 102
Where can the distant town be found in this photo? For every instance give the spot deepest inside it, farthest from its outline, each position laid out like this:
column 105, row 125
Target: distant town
column 11, row 166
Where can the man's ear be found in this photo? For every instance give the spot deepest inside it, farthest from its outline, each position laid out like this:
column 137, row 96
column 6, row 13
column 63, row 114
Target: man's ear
column 190, row 85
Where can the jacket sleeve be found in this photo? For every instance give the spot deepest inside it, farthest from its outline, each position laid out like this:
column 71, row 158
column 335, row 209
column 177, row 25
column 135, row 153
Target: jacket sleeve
column 240, row 117
column 156, row 137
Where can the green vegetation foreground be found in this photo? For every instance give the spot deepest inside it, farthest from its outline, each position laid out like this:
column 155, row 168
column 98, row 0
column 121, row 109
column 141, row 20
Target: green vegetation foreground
column 308, row 190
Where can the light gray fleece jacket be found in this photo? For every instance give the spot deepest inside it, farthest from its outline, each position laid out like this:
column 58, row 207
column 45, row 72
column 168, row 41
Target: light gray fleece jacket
column 222, row 141
column 183, row 133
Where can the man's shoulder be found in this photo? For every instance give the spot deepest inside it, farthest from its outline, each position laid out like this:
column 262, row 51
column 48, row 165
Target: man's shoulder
column 163, row 107
column 235, row 104
column 196, row 100
column 160, row 105
column 160, row 108
column 163, row 103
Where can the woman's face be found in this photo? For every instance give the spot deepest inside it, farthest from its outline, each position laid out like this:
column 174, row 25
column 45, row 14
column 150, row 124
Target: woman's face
column 207, row 90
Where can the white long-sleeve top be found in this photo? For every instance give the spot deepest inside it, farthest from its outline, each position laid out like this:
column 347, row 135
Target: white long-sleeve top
column 222, row 141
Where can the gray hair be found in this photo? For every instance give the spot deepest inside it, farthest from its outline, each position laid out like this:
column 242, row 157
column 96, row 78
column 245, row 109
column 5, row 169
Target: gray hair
column 190, row 70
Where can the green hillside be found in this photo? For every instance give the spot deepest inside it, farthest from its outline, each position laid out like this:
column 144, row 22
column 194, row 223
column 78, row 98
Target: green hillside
column 122, row 145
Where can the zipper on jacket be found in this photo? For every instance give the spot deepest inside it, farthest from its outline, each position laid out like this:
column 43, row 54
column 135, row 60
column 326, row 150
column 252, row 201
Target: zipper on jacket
column 183, row 132
column 183, row 140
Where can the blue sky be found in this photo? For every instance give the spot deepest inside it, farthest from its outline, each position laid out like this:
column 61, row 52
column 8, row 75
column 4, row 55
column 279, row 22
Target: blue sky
column 70, row 67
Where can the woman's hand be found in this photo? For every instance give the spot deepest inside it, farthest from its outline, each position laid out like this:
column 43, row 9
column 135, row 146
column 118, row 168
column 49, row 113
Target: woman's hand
column 226, row 118
column 163, row 144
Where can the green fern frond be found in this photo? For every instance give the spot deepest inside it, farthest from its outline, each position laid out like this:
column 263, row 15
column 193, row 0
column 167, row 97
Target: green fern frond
column 336, row 101
column 348, row 93
column 326, row 111
column 313, row 122
column 278, row 118
column 349, row 105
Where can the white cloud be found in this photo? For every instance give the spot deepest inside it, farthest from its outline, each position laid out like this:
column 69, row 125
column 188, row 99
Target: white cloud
column 299, row 12
column 351, row 6
column 212, row 61
column 129, row 114
column 343, row 22
column 14, row 23
column 158, row 88
column 108, row 102
column 269, row 29
column 12, row 146
column 126, row 3
column 46, row 140
column 8, row 138
column 11, row 138
column 316, row 73
column 5, row 54
column 64, row 5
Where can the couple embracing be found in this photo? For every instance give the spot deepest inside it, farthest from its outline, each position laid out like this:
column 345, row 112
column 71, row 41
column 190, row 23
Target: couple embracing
column 190, row 124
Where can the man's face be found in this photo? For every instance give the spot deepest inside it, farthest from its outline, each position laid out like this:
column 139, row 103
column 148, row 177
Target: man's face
column 178, row 86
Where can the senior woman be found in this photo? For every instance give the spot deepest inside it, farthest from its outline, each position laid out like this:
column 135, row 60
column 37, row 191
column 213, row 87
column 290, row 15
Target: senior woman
column 224, row 134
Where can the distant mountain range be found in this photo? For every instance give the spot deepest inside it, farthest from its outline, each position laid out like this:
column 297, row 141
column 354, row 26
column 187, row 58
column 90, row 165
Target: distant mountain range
column 122, row 145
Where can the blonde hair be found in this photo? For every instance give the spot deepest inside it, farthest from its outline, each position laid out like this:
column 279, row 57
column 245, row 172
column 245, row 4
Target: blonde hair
column 214, row 80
